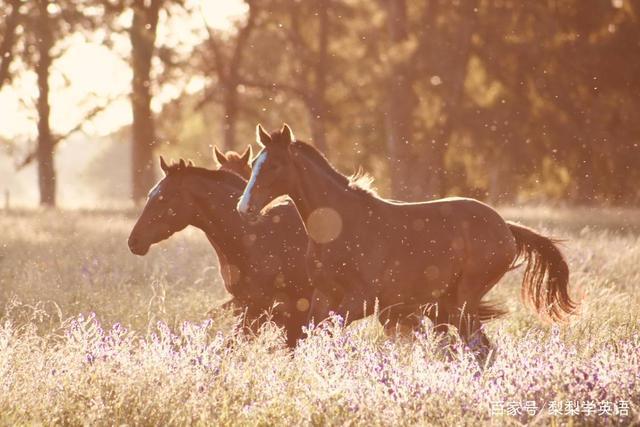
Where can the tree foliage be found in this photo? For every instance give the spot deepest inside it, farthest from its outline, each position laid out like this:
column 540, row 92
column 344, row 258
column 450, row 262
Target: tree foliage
column 496, row 99
column 489, row 98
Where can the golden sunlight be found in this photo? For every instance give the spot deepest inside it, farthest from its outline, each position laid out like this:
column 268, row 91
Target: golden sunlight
column 90, row 74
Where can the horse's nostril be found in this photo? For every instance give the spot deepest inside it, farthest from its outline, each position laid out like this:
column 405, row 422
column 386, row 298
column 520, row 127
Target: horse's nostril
column 245, row 210
column 133, row 244
column 137, row 246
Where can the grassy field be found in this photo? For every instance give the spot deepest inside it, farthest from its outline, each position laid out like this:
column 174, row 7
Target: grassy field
column 91, row 334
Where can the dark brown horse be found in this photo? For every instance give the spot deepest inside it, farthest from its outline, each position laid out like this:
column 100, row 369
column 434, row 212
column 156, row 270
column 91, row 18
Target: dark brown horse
column 448, row 253
column 234, row 162
column 261, row 263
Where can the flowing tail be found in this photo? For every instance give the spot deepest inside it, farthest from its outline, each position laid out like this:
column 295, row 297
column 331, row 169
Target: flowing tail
column 543, row 258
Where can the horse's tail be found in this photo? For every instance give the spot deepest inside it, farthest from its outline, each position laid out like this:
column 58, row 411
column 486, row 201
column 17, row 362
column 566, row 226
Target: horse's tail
column 489, row 310
column 550, row 298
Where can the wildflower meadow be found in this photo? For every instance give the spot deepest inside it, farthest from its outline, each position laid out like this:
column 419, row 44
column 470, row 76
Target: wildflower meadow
column 91, row 334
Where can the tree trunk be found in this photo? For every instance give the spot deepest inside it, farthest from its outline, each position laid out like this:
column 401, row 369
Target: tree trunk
column 143, row 36
column 8, row 41
column 230, row 119
column 318, row 105
column 46, row 171
column 495, row 192
column 400, row 107
column 451, row 67
column 317, row 122
column 229, row 77
column 584, row 185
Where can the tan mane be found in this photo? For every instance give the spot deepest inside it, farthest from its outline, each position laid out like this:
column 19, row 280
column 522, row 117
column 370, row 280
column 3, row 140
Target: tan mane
column 179, row 165
column 360, row 180
column 187, row 167
column 363, row 181
column 233, row 156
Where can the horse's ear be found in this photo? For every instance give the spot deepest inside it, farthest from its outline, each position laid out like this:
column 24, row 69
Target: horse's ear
column 182, row 164
column 246, row 156
column 287, row 133
column 190, row 163
column 219, row 155
column 262, row 137
column 164, row 166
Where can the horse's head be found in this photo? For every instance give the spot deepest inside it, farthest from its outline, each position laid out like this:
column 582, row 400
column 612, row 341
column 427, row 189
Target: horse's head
column 273, row 172
column 166, row 212
column 234, row 162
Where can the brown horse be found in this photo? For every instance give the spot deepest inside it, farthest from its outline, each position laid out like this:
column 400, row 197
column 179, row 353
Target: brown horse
column 261, row 263
column 447, row 253
column 233, row 162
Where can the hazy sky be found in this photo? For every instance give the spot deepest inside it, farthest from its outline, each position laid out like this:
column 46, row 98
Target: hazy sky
column 91, row 68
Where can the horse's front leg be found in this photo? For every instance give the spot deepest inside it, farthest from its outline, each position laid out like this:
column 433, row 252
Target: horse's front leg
column 332, row 295
column 320, row 307
column 328, row 291
column 356, row 304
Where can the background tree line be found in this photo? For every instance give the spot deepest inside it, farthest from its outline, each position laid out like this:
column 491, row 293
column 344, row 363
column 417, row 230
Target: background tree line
column 495, row 99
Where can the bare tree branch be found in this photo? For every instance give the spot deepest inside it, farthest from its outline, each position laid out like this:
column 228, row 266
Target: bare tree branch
column 215, row 47
column 303, row 51
column 253, row 84
column 284, row 87
column 243, row 37
column 91, row 114
column 228, row 75
column 209, row 95
column 8, row 41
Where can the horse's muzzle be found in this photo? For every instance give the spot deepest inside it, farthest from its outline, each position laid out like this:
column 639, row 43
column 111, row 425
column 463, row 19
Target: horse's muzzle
column 248, row 212
column 137, row 247
column 253, row 218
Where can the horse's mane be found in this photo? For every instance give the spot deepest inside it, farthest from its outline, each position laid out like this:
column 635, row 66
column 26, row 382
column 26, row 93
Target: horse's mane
column 360, row 181
column 363, row 181
column 233, row 156
column 222, row 176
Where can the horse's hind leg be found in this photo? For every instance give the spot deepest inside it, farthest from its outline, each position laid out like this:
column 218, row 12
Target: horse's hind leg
column 443, row 315
column 472, row 334
column 481, row 273
column 399, row 331
column 319, row 308
column 400, row 321
column 472, row 286
column 469, row 330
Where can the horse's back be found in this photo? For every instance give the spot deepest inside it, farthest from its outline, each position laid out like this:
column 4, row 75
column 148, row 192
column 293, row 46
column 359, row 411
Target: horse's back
column 450, row 220
column 449, row 207
column 475, row 216
column 486, row 232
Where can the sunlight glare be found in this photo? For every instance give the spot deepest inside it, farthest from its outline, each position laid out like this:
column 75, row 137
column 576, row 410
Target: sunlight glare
column 220, row 14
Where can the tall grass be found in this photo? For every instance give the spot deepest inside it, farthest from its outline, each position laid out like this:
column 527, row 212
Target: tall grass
column 90, row 334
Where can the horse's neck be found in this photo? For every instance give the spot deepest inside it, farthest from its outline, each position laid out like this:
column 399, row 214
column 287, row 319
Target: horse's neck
column 222, row 225
column 319, row 186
